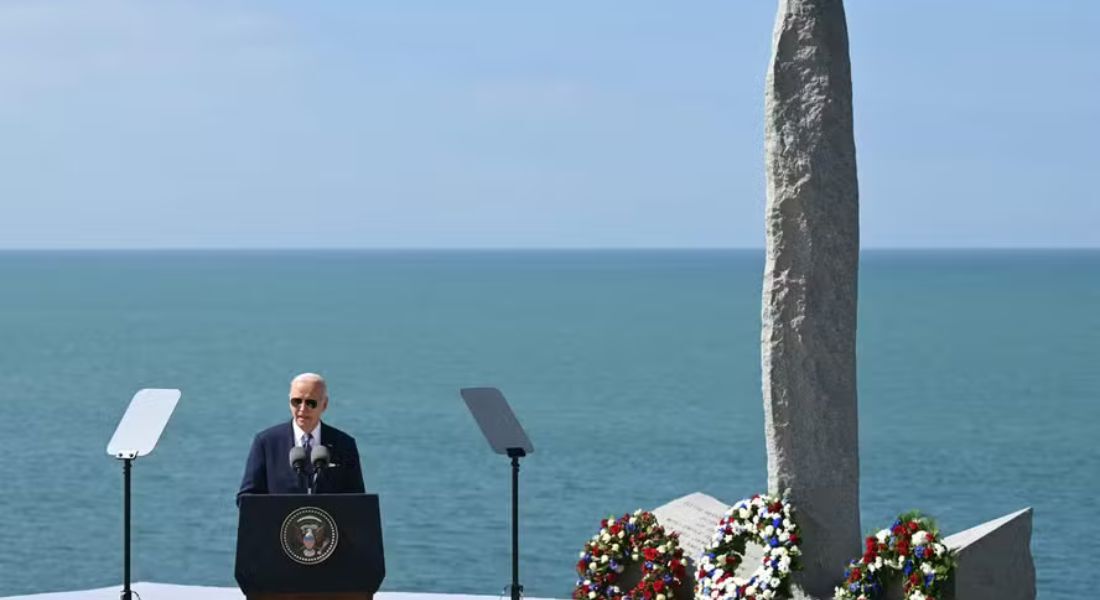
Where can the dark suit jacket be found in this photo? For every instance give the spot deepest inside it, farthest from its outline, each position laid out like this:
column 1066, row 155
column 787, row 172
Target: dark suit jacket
column 268, row 470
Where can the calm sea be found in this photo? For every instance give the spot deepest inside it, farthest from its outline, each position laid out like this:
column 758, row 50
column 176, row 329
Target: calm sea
column 636, row 375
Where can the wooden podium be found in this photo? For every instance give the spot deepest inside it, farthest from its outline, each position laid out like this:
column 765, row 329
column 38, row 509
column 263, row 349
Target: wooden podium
column 310, row 547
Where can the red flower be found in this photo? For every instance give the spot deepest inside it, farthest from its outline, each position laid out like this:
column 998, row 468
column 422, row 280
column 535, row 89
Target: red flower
column 855, row 575
column 913, row 526
column 794, row 538
column 603, row 523
column 650, row 554
column 658, row 586
column 870, row 543
column 615, row 529
column 581, row 566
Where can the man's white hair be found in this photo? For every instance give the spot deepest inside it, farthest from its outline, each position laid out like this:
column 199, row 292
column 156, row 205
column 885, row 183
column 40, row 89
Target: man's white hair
column 310, row 378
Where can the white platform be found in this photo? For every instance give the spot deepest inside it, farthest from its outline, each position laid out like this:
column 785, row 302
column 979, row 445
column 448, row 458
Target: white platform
column 168, row 591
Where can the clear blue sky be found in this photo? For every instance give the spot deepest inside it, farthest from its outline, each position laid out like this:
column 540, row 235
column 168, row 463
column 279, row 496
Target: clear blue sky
column 526, row 124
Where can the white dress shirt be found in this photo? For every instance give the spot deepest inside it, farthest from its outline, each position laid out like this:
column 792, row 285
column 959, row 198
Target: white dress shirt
column 298, row 433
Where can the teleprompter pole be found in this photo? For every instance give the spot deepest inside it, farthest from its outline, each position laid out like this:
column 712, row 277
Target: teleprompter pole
column 515, row 454
column 127, row 465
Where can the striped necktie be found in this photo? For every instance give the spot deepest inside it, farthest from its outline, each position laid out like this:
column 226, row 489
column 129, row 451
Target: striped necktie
column 307, row 445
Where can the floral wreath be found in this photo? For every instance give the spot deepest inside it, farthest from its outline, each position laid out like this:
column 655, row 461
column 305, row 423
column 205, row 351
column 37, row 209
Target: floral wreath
column 623, row 541
column 910, row 547
column 766, row 520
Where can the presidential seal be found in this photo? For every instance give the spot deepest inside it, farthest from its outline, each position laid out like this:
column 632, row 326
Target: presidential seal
column 309, row 535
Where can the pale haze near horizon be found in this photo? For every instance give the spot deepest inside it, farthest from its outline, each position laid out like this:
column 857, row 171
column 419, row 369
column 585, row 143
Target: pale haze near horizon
column 507, row 125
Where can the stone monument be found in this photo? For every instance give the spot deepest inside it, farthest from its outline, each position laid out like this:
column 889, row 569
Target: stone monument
column 809, row 309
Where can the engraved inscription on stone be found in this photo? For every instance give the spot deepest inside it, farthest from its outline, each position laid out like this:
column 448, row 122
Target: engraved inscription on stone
column 694, row 517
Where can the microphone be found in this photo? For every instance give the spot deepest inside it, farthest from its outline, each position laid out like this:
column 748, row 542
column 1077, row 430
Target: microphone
column 319, row 457
column 297, row 458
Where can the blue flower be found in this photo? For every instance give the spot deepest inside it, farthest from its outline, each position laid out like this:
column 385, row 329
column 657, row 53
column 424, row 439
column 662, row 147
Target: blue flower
column 908, row 567
column 773, row 541
column 929, row 578
column 853, row 588
column 776, row 522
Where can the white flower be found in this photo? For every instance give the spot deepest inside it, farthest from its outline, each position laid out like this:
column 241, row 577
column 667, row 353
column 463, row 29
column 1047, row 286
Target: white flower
column 592, row 566
column 660, row 597
column 582, row 554
column 614, row 547
column 939, row 549
column 882, row 536
column 768, row 531
column 603, row 559
column 743, row 513
column 774, row 582
column 919, row 538
column 622, row 534
column 926, row 568
column 632, row 520
column 634, row 557
column 591, row 595
column 605, row 538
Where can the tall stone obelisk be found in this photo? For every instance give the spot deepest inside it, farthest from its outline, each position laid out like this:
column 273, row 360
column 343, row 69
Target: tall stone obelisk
column 810, row 283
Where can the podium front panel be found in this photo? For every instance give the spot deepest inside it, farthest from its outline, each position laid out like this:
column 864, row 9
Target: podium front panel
column 320, row 543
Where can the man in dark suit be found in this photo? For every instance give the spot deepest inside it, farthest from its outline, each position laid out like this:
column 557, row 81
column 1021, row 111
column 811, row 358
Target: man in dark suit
column 269, row 471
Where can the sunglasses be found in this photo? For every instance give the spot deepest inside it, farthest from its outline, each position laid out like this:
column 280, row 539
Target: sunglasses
column 310, row 402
